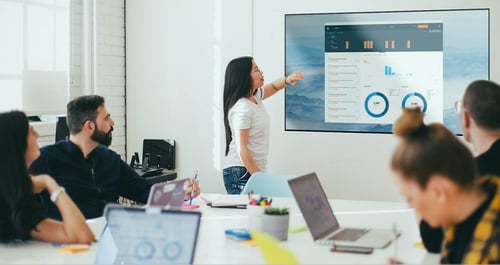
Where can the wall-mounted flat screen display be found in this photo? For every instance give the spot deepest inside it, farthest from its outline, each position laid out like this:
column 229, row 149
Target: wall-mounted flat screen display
column 361, row 69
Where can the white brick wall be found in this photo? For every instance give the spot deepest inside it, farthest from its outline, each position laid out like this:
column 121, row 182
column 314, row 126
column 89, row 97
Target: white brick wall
column 76, row 48
column 110, row 64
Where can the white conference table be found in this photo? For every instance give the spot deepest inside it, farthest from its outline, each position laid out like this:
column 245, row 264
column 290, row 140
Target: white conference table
column 214, row 248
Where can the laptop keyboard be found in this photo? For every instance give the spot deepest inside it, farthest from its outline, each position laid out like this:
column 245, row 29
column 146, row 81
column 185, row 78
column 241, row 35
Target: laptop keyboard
column 349, row 234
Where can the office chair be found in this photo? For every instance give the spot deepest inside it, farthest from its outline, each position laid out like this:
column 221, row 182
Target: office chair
column 269, row 184
column 62, row 131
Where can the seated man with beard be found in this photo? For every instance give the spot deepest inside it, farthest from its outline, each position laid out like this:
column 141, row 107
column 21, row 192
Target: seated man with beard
column 92, row 174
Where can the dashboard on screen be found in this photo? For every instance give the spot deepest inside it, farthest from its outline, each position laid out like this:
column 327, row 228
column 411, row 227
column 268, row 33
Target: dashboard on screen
column 361, row 69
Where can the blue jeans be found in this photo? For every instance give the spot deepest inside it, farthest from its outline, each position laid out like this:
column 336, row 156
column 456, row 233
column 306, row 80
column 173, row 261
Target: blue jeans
column 235, row 179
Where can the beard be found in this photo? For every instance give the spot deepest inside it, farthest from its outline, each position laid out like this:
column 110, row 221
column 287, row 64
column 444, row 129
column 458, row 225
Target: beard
column 102, row 137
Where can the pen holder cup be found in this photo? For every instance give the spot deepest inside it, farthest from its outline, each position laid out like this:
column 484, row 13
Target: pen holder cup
column 276, row 225
column 255, row 214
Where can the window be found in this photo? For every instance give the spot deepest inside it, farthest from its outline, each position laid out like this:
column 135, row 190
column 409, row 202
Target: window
column 34, row 52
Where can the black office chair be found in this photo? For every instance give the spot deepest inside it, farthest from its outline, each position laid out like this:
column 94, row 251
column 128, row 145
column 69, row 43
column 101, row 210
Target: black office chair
column 62, row 131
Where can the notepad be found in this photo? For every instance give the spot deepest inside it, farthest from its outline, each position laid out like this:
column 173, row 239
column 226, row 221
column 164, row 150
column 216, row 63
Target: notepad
column 230, row 201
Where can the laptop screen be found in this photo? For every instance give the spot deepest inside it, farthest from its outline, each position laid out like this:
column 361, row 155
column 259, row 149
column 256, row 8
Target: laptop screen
column 314, row 205
column 148, row 236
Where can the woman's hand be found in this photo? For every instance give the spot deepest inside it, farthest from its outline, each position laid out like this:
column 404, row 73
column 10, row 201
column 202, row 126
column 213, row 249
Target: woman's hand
column 292, row 78
column 43, row 182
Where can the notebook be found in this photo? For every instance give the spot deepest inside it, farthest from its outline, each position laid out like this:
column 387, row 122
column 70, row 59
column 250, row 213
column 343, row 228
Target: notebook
column 229, row 201
column 168, row 195
column 323, row 224
column 134, row 235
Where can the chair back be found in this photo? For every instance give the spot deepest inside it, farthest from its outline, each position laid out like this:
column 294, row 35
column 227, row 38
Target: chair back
column 269, row 184
column 62, row 130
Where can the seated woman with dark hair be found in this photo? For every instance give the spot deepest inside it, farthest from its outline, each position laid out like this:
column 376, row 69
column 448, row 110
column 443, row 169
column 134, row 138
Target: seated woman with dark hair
column 438, row 176
column 22, row 216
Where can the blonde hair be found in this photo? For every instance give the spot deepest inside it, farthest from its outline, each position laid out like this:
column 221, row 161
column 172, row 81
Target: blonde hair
column 431, row 149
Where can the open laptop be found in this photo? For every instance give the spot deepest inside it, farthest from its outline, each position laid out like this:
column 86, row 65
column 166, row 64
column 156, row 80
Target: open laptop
column 134, row 235
column 323, row 224
column 168, row 195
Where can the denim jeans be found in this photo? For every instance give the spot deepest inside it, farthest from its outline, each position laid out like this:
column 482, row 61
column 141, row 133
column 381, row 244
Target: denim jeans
column 235, row 179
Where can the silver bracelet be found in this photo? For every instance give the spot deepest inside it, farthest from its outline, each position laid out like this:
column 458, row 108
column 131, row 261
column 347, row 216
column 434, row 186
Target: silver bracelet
column 286, row 83
column 56, row 193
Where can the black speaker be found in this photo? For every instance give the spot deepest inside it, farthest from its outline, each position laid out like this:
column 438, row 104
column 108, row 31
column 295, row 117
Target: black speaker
column 161, row 152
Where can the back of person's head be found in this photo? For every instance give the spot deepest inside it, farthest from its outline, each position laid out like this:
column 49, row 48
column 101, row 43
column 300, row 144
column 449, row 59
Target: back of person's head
column 481, row 101
column 18, row 204
column 426, row 150
column 13, row 140
column 81, row 109
column 237, row 84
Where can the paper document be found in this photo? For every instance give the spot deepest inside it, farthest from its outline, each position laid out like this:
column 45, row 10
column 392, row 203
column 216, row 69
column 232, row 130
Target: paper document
column 230, row 201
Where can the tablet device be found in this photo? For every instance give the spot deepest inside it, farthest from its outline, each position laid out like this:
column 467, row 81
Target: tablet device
column 136, row 235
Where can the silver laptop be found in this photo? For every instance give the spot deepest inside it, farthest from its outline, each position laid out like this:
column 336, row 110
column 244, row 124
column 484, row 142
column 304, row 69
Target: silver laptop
column 323, row 224
column 168, row 195
column 134, row 235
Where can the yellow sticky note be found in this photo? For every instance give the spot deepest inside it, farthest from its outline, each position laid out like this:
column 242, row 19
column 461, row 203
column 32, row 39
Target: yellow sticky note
column 73, row 249
column 272, row 250
column 248, row 242
column 297, row 229
column 419, row 244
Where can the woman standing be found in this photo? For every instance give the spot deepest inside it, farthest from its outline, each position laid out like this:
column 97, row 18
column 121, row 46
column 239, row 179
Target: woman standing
column 22, row 216
column 246, row 120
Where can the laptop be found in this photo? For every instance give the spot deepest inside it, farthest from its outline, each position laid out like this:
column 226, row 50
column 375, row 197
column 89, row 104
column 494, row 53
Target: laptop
column 323, row 224
column 134, row 235
column 168, row 195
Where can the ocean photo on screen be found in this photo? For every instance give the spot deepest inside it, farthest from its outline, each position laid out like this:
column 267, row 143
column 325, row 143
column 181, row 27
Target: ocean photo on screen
column 464, row 57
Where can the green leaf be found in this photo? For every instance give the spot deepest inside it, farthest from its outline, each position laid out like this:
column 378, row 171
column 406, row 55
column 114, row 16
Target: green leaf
column 276, row 211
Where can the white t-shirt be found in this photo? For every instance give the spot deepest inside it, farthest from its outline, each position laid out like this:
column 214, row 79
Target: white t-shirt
column 247, row 115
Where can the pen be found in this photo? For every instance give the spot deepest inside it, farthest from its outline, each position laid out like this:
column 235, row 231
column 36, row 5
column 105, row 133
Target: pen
column 192, row 190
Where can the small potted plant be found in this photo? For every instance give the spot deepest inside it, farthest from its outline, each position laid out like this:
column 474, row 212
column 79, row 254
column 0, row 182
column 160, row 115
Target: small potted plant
column 276, row 211
column 275, row 222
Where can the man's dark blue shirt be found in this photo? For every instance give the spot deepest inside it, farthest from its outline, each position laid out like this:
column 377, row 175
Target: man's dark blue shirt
column 91, row 182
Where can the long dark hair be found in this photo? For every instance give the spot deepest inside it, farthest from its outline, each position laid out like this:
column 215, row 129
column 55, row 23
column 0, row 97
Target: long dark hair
column 20, row 209
column 237, row 84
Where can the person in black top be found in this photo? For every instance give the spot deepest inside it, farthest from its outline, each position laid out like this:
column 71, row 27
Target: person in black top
column 480, row 121
column 22, row 216
column 92, row 174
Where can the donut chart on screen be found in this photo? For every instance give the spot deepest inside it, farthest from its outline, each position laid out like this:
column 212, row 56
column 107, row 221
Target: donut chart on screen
column 414, row 99
column 376, row 104
column 144, row 250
